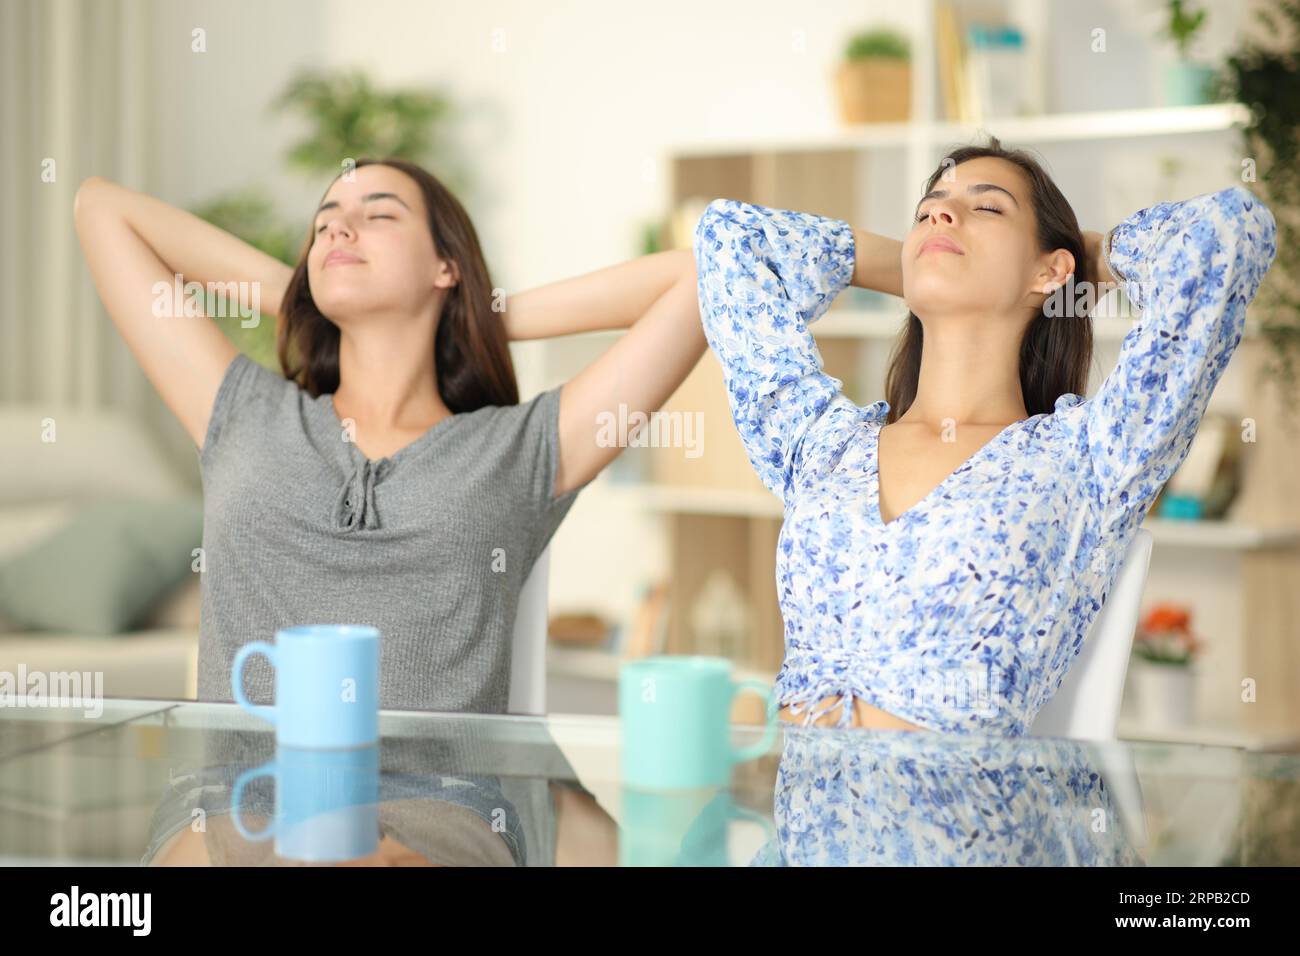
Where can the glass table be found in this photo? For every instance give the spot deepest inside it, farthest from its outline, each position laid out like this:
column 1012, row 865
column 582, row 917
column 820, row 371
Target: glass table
column 161, row 783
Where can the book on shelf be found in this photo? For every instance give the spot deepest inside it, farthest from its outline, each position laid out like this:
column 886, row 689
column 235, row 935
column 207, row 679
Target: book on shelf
column 648, row 633
column 952, row 65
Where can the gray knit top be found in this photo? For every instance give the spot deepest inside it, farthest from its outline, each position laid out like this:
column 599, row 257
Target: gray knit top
column 431, row 545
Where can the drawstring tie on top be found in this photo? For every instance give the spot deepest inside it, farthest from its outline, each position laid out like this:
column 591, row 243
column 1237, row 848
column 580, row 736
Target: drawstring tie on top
column 355, row 506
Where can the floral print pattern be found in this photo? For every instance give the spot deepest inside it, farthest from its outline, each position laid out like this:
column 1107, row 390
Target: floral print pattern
column 875, row 798
column 964, row 612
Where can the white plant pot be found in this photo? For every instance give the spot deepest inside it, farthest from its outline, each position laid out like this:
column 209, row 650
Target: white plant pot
column 1165, row 694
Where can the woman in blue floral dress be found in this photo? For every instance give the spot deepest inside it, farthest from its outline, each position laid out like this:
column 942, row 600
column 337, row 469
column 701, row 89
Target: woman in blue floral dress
column 953, row 592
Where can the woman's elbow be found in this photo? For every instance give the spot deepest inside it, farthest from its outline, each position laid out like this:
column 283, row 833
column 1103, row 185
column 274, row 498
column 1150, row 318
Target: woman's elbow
column 88, row 196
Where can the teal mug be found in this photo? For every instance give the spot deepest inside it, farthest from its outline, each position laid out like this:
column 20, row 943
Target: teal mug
column 676, row 718
column 682, row 828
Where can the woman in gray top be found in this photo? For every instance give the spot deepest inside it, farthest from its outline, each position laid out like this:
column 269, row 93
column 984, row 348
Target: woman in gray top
column 390, row 476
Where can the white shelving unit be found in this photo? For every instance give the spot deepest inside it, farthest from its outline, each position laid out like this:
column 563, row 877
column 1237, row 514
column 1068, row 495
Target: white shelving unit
column 1204, row 733
column 1216, row 535
column 929, row 134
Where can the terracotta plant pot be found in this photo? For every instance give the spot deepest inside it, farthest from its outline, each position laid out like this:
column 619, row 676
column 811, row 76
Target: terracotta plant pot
column 875, row 91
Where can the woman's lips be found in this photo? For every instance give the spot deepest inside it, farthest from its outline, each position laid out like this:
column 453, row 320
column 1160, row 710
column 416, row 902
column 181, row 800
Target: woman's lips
column 341, row 258
column 940, row 244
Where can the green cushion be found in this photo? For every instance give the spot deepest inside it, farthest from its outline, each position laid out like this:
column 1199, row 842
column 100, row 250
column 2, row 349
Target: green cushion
column 103, row 571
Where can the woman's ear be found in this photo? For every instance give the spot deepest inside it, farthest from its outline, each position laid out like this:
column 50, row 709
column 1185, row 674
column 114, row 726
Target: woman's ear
column 448, row 274
column 1055, row 272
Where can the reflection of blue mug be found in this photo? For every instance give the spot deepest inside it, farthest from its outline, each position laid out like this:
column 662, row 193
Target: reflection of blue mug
column 326, row 685
column 676, row 718
column 326, row 803
column 681, row 828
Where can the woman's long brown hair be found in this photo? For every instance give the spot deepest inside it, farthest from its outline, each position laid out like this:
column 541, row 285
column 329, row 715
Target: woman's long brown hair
column 470, row 350
column 1055, row 351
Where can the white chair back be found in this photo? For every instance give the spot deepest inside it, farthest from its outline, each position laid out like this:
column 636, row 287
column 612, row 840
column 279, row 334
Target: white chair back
column 1087, row 704
column 528, row 665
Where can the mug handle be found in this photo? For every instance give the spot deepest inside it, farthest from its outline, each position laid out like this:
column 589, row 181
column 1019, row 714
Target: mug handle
column 245, row 778
column 757, row 750
column 264, row 711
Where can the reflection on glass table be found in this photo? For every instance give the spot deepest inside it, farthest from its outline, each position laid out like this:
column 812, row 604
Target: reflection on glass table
column 155, row 783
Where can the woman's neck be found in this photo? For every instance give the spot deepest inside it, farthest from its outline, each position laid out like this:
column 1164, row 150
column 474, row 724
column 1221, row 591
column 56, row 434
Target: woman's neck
column 969, row 375
column 390, row 382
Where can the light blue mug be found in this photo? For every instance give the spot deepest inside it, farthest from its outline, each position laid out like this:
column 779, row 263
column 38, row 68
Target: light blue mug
column 676, row 718
column 326, row 803
column 326, row 685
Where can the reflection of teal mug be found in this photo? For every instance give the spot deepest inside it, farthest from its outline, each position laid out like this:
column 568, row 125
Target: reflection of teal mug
column 676, row 717
column 680, row 828
column 326, row 803
column 326, row 685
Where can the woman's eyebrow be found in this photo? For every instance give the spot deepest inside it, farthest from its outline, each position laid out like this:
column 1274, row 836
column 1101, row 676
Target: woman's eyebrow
column 369, row 197
column 975, row 188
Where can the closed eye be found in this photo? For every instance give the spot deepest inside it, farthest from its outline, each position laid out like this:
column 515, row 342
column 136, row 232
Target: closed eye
column 322, row 226
column 922, row 215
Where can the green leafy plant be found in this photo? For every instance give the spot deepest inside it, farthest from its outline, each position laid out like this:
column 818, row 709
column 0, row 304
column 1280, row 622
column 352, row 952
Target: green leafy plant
column 879, row 43
column 346, row 118
column 650, row 237
column 249, row 214
column 1183, row 24
column 1267, row 82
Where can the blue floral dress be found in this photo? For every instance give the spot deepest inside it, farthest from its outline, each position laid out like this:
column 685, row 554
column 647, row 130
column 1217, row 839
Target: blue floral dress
column 964, row 612
column 880, row 799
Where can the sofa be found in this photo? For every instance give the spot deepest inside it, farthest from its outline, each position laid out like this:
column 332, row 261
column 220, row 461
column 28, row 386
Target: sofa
column 44, row 484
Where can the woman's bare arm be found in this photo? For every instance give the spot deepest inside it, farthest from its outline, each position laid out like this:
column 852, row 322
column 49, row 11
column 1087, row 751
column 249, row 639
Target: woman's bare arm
column 645, row 367
column 609, row 298
column 878, row 263
column 135, row 245
column 637, row 374
column 1092, row 244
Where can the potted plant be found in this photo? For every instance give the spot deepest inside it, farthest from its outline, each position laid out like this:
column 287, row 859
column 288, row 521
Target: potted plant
column 1187, row 83
column 1264, row 76
column 1163, row 678
column 875, row 79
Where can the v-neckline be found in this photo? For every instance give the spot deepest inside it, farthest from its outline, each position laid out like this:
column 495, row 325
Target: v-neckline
column 964, row 466
column 355, row 452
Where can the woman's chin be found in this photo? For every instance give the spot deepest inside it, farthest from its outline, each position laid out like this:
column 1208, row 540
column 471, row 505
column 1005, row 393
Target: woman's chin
column 936, row 298
column 342, row 305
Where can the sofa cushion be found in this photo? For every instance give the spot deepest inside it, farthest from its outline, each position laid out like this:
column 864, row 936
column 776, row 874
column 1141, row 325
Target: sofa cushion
column 22, row 526
column 106, row 568
column 178, row 610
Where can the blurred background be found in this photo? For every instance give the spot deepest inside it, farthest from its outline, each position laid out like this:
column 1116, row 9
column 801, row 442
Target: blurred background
column 583, row 133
